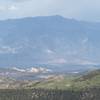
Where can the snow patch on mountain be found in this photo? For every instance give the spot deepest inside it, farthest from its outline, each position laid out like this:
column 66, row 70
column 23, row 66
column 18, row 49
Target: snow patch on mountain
column 38, row 70
column 18, row 69
column 32, row 70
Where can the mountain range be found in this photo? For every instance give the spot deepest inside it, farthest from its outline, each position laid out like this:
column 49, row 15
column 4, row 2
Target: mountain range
column 48, row 40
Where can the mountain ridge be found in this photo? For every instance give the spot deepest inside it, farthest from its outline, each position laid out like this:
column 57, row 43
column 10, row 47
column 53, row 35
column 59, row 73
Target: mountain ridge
column 48, row 40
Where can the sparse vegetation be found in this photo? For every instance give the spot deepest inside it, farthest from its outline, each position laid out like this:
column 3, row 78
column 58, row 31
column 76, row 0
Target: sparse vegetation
column 86, row 87
column 50, row 94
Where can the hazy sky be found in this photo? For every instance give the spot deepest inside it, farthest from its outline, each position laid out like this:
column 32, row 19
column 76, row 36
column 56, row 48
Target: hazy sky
column 79, row 9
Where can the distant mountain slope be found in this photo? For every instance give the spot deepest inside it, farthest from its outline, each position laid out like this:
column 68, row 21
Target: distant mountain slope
column 88, row 80
column 48, row 40
column 90, row 75
column 52, row 81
